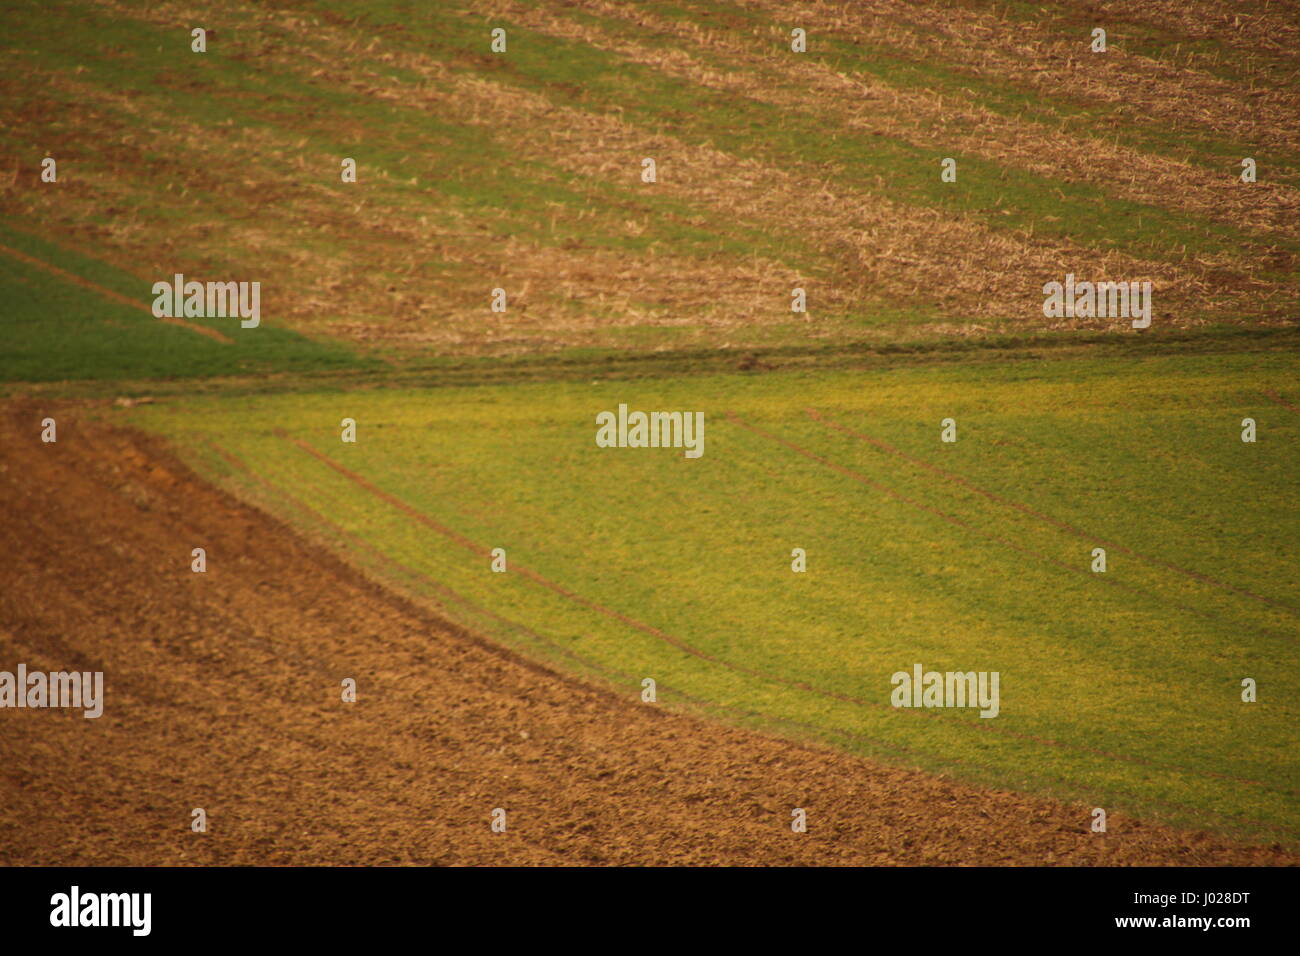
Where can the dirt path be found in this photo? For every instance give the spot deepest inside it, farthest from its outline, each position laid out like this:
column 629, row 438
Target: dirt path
column 222, row 692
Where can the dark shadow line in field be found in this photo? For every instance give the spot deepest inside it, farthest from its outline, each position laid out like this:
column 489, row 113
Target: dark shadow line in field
column 681, row 645
column 115, row 296
column 1025, row 509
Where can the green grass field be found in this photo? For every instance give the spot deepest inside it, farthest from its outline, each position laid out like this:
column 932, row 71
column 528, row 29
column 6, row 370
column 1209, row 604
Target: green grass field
column 1119, row 689
column 56, row 330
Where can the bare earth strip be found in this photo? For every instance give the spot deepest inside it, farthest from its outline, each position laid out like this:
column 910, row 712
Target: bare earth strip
column 1272, row 27
column 1136, row 88
column 222, row 692
column 877, row 243
column 872, row 244
column 925, row 118
column 384, row 230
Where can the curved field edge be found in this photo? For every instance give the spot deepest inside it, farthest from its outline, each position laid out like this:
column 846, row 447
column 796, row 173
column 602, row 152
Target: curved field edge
column 1129, row 724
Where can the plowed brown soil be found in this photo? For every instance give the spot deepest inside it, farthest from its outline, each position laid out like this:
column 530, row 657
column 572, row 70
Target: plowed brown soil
column 222, row 692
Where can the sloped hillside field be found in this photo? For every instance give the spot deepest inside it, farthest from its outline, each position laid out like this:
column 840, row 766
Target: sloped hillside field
column 696, row 431
column 1120, row 686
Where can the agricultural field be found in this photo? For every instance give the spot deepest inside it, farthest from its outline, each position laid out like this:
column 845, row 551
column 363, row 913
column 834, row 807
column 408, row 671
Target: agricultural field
column 832, row 263
column 1120, row 687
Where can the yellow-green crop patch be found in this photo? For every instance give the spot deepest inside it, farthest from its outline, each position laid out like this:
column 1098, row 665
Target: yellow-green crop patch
column 1118, row 689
